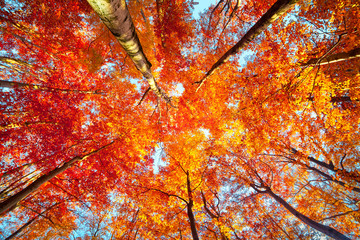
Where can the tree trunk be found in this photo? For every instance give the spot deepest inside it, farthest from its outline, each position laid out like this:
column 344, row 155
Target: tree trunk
column 276, row 10
column 328, row 177
column 9, row 60
column 21, row 228
column 337, row 57
column 23, row 180
column 311, row 223
column 189, row 206
column 9, row 84
column 115, row 15
column 192, row 220
column 25, row 124
column 337, row 99
column 330, row 167
column 311, row 159
column 14, row 234
column 12, row 201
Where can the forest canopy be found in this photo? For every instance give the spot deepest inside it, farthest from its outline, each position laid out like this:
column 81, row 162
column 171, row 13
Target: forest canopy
column 139, row 120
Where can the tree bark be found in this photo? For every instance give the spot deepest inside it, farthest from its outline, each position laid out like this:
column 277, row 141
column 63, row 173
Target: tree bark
column 337, row 57
column 12, row 201
column 192, row 220
column 328, row 177
column 330, row 167
column 17, row 184
column 276, row 10
column 14, row 234
column 338, row 99
column 331, row 232
column 26, row 124
column 115, row 15
column 10, row 60
column 311, row 159
column 9, row 84
column 189, row 206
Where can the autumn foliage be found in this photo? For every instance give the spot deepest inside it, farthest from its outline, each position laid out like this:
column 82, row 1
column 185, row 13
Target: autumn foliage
column 138, row 120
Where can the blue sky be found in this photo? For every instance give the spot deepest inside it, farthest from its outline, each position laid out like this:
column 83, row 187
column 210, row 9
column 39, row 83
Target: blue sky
column 203, row 4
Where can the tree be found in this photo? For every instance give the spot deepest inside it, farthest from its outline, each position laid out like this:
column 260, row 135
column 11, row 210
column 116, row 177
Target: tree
column 116, row 17
column 267, row 148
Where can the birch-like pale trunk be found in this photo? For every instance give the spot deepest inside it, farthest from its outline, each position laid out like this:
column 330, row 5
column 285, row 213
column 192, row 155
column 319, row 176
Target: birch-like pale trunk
column 9, row 60
column 276, row 10
column 337, row 57
column 115, row 15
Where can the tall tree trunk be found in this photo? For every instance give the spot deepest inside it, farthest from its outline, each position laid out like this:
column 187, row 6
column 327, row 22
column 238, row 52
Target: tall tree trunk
column 9, row 84
column 337, row 57
column 328, row 177
column 311, row 223
column 276, row 10
column 311, row 159
column 189, row 206
column 192, row 220
column 14, row 234
column 338, row 99
column 25, row 124
column 23, row 180
column 9, row 60
column 330, row 167
column 115, row 15
column 12, row 201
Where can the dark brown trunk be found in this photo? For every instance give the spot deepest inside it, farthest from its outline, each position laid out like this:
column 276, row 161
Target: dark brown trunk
column 331, row 232
column 192, row 220
column 330, row 167
column 12, row 201
column 8, row 84
column 276, row 10
column 189, row 206
column 14, row 234
column 337, row 99
column 320, row 163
